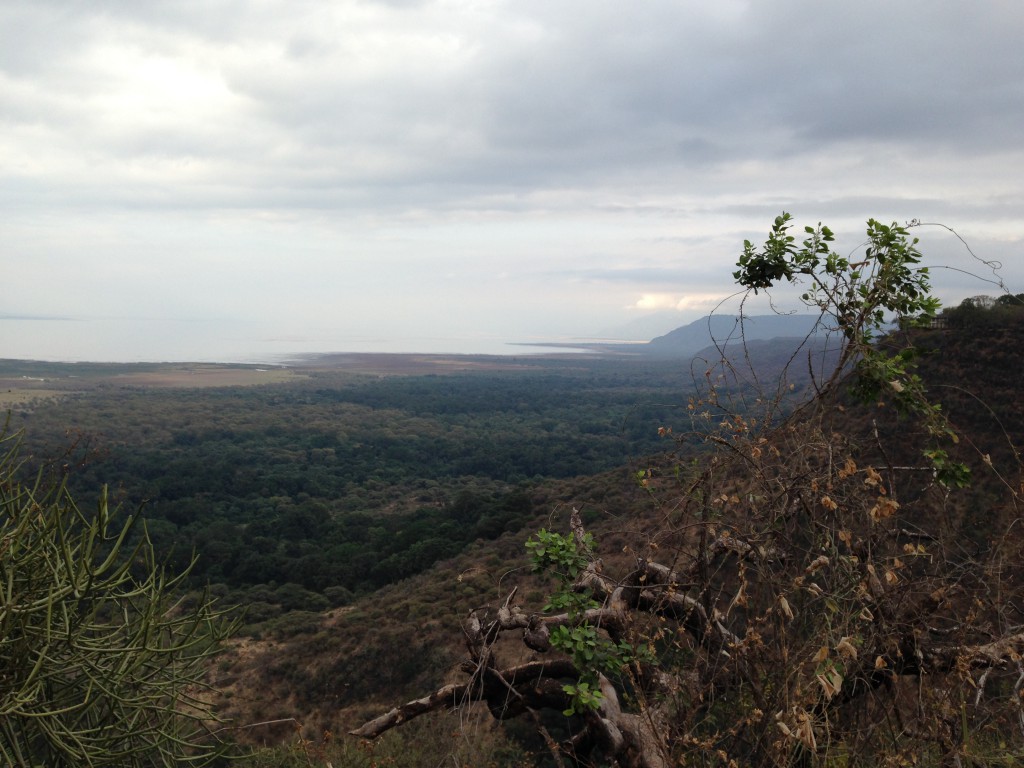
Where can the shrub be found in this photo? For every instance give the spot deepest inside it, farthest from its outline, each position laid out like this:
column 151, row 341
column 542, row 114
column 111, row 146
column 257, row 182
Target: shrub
column 101, row 665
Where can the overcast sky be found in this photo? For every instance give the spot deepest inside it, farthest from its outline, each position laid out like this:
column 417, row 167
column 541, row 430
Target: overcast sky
column 428, row 172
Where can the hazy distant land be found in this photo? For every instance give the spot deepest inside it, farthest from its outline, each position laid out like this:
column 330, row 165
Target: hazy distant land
column 22, row 381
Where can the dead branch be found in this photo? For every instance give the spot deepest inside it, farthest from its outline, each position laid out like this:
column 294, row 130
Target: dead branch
column 450, row 696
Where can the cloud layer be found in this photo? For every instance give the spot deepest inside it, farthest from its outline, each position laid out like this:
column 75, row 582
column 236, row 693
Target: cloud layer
column 513, row 169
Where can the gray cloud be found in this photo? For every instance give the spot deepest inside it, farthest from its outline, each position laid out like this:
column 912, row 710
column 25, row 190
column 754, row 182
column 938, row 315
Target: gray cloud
column 591, row 153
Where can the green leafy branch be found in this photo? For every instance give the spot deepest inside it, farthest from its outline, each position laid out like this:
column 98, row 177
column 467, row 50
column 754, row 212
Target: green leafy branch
column 591, row 652
column 858, row 295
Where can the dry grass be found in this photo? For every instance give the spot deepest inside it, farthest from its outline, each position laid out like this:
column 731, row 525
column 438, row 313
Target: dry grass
column 202, row 376
column 19, row 396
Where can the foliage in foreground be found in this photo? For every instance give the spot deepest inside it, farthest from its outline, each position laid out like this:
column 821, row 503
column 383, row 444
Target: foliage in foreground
column 99, row 665
column 809, row 597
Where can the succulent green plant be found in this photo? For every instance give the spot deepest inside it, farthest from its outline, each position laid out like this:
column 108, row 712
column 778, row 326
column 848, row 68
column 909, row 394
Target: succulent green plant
column 101, row 660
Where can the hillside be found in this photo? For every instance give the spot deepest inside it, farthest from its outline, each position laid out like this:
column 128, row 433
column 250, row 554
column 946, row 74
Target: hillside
column 337, row 669
column 723, row 331
column 715, row 335
column 975, row 373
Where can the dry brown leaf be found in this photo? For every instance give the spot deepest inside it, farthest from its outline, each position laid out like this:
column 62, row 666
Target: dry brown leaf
column 819, row 562
column 784, row 607
column 846, row 649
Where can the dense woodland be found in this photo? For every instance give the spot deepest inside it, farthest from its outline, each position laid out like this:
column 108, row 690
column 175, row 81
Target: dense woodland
column 340, row 483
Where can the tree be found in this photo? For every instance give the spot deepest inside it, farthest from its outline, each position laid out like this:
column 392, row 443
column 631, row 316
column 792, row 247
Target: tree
column 101, row 662
column 807, row 596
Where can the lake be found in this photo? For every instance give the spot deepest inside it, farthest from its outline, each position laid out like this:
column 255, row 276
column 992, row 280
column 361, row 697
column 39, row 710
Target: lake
column 160, row 340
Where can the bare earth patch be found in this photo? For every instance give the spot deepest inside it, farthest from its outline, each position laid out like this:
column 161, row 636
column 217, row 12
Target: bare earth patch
column 389, row 364
column 200, row 376
column 61, row 380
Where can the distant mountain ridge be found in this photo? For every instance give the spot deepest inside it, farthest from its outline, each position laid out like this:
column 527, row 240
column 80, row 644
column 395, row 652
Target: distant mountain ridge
column 706, row 335
column 730, row 331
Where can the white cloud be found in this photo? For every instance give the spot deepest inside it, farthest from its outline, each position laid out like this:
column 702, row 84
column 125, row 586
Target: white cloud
column 655, row 301
column 359, row 164
column 692, row 304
